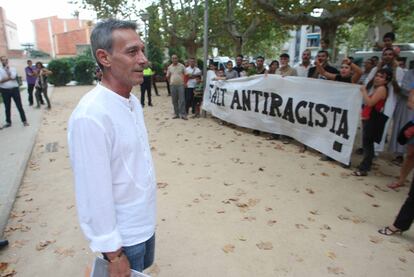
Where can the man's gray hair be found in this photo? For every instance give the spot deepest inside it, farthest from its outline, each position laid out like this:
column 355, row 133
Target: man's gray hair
column 101, row 37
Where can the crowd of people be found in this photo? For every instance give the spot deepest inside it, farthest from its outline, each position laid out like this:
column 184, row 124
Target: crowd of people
column 36, row 77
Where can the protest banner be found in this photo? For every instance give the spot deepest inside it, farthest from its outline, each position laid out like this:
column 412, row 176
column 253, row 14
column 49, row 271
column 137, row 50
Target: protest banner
column 318, row 113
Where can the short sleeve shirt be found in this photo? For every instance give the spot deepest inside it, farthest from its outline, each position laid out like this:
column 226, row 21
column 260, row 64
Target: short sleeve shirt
column 177, row 74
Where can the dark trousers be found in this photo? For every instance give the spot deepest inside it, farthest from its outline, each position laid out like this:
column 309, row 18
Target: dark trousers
column 39, row 98
column 189, row 100
column 155, row 86
column 168, row 86
column 368, row 146
column 406, row 215
column 30, row 88
column 7, row 95
column 146, row 87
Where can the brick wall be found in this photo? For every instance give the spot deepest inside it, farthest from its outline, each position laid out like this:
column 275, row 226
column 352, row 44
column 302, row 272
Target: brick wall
column 3, row 38
column 66, row 42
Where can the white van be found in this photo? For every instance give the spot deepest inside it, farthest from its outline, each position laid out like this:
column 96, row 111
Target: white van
column 406, row 52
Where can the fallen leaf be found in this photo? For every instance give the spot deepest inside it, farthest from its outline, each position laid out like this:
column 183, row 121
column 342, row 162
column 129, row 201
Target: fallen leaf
column 43, row 244
column 301, row 226
column 343, row 217
column 227, row 184
column 249, row 218
column 252, row 202
column 29, row 200
column 205, row 196
column 324, row 174
column 228, row 248
column 162, row 185
column 381, row 189
column 220, row 211
column 369, row 194
column 375, row 239
column 196, row 200
column 64, row 252
column 241, row 238
column 314, row 212
column 268, row 209
column 348, row 209
column 311, row 219
column 402, row 259
column 326, row 227
column 242, row 205
column 310, row 191
column 265, row 245
column 331, row 255
column 271, row 222
column 335, row 270
column 261, row 169
column 375, row 205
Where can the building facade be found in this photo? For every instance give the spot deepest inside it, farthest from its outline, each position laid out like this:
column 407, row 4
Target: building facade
column 9, row 39
column 59, row 37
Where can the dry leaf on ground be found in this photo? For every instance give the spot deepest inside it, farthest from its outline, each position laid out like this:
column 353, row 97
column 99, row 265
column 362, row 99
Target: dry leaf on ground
column 43, row 244
column 228, row 248
column 331, row 255
column 402, row 259
column 369, row 194
column 161, row 185
column 375, row 239
column 335, row 270
column 265, row 245
column 271, row 222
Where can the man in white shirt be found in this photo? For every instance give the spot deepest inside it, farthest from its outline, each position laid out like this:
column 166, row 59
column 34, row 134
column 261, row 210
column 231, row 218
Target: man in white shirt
column 110, row 154
column 175, row 77
column 303, row 68
column 192, row 72
column 9, row 89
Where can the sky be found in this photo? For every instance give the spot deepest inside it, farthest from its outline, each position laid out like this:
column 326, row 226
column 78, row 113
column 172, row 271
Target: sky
column 21, row 12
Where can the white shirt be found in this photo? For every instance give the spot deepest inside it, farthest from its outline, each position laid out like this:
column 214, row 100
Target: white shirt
column 192, row 83
column 399, row 75
column 114, row 174
column 11, row 83
column 302, row 70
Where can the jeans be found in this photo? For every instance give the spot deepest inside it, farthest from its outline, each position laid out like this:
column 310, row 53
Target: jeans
column 7, row 95
column 39, row 100
column 141, row 256
column 178, row 99
column 30, row 88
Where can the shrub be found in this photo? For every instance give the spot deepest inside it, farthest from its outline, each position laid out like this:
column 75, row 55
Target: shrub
column 84, row 70
column 62, row 73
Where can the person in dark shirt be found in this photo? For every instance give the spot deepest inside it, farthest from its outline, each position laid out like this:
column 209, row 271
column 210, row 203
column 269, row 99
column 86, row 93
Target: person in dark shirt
column 239, row 67
column 349, row 72
column 322, row 58
column 260, row 69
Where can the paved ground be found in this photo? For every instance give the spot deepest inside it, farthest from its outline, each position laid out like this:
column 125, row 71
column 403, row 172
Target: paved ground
column 16, row 144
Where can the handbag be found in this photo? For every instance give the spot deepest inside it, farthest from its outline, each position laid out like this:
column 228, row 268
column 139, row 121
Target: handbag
column 402, row 139
column 376, row 125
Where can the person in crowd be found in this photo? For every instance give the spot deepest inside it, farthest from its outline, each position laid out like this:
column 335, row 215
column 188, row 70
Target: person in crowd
column 302, row 69
column 402, row 63
column 245, row 66
column 175, row 76
column 9, row 89
column 322, row 58
column 274, row 65
column 146, row 85
column 388, row 42
column 368, row 66
column 348, row 73
column 230, row 73
column 405, row 216
column 325, row 46
column 191, row 72
column 260, row 68
column 31, row 75
column 285, row 69
column 374, row 99
column 375, row 60
column 407, row 90
column 167, row 83
column 239, row 65
column 198, row 96
column 111, row 158
column 41, row 84
column 251, row 69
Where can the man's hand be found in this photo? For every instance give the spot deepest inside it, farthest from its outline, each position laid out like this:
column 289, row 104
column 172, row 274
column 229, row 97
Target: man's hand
column 118, row 264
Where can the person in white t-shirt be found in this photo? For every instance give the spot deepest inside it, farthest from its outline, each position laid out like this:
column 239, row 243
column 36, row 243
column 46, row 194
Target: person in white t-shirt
column 191, row 73
column 110, row 154
column 303, row 68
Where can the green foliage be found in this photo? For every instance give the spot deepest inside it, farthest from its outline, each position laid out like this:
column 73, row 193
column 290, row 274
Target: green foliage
column 353, row 37
column 38, row 54
column 155, row 43
column 109, row 8
column 84, row 70
column 62, row 73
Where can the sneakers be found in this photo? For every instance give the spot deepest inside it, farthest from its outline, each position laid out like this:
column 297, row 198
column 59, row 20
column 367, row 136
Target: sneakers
column 25, row 124
column 175, row 117
column 7, row 125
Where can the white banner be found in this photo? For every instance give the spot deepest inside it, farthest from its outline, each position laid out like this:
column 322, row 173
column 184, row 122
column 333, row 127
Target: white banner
column 318, row 113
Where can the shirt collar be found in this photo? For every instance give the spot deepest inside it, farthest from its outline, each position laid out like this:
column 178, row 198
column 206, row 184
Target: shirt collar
column 125, row 101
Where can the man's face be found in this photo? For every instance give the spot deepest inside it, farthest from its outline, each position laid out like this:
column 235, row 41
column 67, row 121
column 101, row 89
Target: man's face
column 388, row 56
column 127, row 57
column 245, row 64
column 191, row 62
column 239, row 61
column 4, row 61
column 174, row 59
column 306, row 56
column 387, row 42
column 29, row 63
column 284, row 61
column 322, row 58
column 368, row 65
column 229, row 66
column 259, row 63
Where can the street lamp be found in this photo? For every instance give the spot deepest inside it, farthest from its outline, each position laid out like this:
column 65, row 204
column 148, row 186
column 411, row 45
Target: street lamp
column 145, row 18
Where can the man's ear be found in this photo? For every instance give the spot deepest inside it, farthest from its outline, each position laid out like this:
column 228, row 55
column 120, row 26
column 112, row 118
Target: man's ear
column 103, row 57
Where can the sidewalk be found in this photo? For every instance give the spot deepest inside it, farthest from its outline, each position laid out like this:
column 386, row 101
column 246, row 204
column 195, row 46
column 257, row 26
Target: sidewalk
column 16, row 144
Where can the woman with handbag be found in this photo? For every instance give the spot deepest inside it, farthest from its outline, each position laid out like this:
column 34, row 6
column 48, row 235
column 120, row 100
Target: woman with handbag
column 372, row 117
column 41, row 84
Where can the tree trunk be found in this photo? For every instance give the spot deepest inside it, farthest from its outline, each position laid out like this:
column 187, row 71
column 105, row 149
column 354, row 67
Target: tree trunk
column 238, row 45
column 328, row 31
